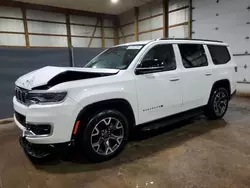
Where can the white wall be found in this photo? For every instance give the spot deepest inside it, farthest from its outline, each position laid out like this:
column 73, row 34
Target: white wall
column 226, row 21
column 49, row 29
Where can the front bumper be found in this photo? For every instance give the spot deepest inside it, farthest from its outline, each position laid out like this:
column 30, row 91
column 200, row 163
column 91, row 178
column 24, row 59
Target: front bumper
column 61, row 117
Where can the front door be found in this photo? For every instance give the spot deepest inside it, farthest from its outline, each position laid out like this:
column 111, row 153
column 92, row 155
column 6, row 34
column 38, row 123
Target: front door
column 159, row 92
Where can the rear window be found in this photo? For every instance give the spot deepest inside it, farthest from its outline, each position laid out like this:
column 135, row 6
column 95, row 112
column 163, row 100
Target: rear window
column 193, row 55
column 219, row 54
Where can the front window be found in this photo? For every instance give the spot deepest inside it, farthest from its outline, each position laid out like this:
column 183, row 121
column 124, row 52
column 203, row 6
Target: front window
column 115, row 58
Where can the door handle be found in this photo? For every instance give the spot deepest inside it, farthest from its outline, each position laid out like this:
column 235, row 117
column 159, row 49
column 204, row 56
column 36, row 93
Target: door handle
column 174, row 79
column 208, row 73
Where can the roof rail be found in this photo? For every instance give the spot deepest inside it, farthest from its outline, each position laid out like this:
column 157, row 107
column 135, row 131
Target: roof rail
column 190, row 39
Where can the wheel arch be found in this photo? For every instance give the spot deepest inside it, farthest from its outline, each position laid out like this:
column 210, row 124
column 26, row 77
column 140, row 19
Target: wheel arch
column 221, row 83
column 122, row 105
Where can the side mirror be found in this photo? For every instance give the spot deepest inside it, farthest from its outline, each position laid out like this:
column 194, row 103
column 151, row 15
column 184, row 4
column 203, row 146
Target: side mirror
column 150, row 66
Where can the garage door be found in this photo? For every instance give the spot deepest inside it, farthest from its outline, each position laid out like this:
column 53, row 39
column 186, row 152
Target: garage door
column 228, row 21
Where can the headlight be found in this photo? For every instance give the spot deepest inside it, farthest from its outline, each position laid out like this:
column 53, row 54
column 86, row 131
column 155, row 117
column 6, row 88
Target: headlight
column 43, row 98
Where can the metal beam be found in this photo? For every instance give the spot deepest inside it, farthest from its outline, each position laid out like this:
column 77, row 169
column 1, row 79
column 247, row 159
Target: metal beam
column 68, row 30
column 165, row 18
column 102, row 33
column 93, row 34
column 136, row 9
column 25, row 27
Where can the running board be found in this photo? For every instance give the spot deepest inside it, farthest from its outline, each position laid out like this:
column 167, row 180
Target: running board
column 172, row 119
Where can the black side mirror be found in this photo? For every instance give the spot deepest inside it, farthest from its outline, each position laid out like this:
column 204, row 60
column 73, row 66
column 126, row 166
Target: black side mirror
column 150, row 66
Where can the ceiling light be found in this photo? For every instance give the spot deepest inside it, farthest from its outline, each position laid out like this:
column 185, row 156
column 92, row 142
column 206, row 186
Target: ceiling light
column 114, row 1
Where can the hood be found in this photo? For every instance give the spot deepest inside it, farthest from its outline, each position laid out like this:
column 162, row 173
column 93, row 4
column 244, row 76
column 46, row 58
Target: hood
column 50, row 76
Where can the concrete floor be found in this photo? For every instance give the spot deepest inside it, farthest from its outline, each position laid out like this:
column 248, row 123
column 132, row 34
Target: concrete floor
column 200, row 153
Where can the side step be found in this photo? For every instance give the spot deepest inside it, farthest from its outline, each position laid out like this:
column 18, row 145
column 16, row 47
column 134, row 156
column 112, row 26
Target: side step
column 172, row 119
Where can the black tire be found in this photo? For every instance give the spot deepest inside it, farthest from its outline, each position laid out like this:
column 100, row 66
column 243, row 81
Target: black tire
column 211, row 110
column 86, row 136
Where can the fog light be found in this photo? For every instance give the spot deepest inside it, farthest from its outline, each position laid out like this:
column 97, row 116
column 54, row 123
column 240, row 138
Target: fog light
column 39, row 129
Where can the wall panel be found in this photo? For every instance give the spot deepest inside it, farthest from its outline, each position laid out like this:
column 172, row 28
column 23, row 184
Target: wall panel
column 47, row 16
column 109, row 32
column 109, row 42
column 80, row 42
column 46, row 41
column 127, row 17
column 96, row 43
column 12, row 39
column 178, row 17
column 85, row 30
column 175, row 4
column 82, row 20
column 46, row 28
column 11, row 25
column 178, row 32
column 108, row 23
column 10, row 12
column 128, row 29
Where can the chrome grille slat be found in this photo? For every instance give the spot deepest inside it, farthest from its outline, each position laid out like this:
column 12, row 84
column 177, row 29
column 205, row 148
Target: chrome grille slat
column 20, row 94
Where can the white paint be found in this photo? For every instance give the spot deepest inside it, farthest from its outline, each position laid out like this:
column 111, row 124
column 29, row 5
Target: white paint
column 11, row 25
column 166, row 96
column 12, row 39
column 10, row 12
column 47, row 16
column 46, row 28
column 36, row 40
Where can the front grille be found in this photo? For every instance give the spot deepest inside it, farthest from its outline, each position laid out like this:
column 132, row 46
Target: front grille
column 21, row 94
column 21, row 119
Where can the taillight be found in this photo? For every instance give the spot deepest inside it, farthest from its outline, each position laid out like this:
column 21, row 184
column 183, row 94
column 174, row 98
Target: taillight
column 236, row 69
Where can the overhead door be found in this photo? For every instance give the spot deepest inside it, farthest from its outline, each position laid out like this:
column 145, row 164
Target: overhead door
column 228, row 21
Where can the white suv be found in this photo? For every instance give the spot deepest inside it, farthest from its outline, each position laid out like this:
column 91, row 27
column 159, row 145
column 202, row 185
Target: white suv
column 146, row 83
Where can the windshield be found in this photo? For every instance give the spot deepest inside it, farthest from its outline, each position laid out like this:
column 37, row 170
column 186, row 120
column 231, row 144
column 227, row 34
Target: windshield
column 115, row 58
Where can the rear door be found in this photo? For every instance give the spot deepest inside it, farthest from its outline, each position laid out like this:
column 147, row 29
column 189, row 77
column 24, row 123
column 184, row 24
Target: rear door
column 196, row 75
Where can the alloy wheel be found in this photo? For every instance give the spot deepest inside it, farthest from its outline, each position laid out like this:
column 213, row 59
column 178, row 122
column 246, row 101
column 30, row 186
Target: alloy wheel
column 107, row 136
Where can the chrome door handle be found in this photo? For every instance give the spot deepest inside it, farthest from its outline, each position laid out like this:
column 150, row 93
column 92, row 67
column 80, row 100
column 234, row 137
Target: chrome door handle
column 174, row 79
column 208, row 73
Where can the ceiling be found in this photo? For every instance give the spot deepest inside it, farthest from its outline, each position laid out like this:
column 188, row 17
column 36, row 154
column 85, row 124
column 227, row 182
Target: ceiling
column 101, row 6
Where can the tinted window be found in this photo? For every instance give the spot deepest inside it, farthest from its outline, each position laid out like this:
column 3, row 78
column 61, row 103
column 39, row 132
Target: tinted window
column 193, row 55
column 163, row 53
column 219, row 54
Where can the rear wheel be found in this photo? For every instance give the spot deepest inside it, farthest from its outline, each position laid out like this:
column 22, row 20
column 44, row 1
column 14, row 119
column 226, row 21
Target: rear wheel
column 218, row 103
column 105, row 135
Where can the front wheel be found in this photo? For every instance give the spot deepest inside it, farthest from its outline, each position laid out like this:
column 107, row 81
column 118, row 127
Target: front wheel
column 105, row 135
column 218, row 104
